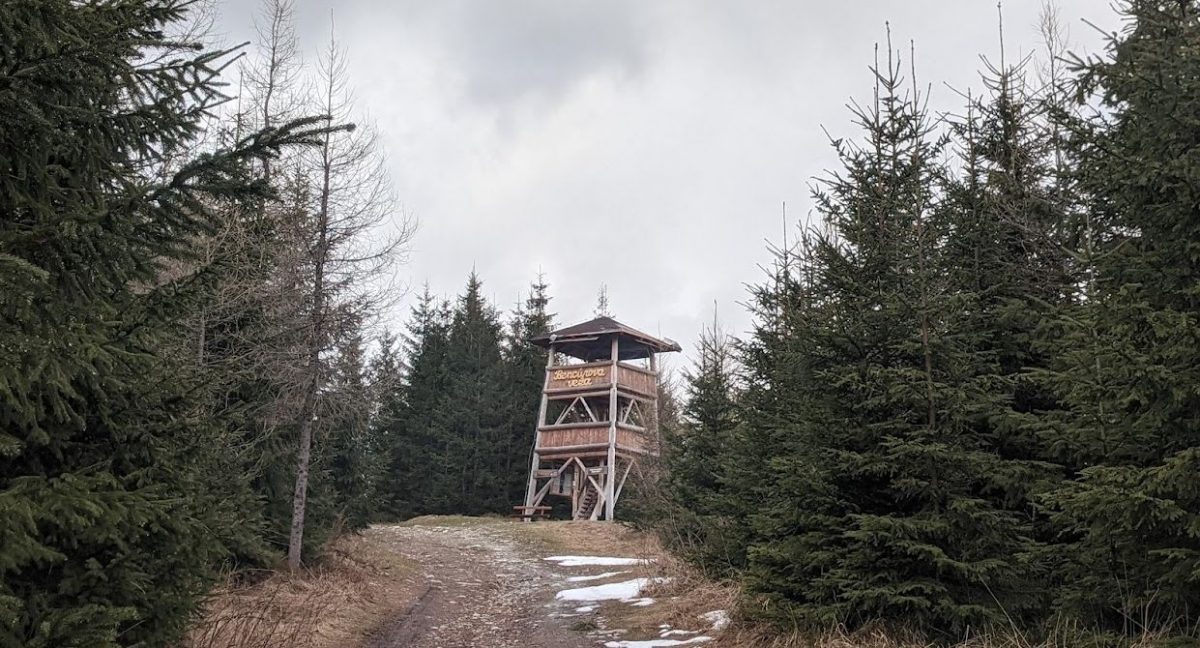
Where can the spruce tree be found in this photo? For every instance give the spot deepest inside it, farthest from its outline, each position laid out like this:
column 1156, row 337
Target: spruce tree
column 470, row 420
column 352, row 465
column 459, row 427
column 1004, row 262
column 877, row 500
column 386, row 384
column 1129, row 352
column 524, row 370
column 697, row 522
column 104, row 526
column 409, row 433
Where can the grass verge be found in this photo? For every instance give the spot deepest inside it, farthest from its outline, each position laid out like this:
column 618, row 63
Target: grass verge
column 354, row 588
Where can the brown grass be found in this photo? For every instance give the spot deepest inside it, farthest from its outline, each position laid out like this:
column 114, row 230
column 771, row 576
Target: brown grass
column 362, row 582
column 357, row 584
column 764, row 637
column 593, row 538
column 689, row 594
column 680, row 601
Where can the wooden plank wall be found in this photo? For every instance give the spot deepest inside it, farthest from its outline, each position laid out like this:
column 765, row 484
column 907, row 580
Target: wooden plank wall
column 631, row 440
column 637, row 379
column 573, row 436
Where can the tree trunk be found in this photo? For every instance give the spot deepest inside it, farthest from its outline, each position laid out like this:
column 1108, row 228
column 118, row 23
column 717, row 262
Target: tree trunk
column 300, row 496
column 313, row 383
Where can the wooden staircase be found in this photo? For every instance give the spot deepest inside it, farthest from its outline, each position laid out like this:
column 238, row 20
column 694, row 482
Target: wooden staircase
column 587, row 504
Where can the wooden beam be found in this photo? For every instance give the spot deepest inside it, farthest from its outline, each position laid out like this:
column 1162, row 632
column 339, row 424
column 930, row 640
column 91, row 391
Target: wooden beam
column 566, row 410
column 568, row 426
column 610, row 482
column 535, row 461
column 621, row 486
column 625, row 414
column 599, row 490
column 572, row 393
column 541, row 494
column 587, row 453
column 591, row 414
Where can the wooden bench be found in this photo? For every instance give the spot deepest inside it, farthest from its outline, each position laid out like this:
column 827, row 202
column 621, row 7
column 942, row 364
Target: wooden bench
column 529, row 513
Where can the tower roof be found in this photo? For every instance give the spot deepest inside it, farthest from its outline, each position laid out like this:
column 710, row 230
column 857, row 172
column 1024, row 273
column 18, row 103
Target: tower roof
column 591, row 340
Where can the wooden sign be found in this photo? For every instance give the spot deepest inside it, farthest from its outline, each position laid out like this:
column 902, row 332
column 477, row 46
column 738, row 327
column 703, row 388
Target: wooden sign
column 581, row 376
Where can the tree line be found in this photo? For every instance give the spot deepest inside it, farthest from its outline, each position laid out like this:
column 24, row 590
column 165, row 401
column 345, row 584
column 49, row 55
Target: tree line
column 190, row 243
column 458, row 418
column 968, row 402
column 193, row 384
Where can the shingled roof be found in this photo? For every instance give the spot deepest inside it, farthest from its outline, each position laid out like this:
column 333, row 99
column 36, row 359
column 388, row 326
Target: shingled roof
column 591, row 339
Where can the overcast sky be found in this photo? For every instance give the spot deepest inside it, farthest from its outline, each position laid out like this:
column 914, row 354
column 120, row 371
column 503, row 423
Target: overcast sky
column 646, row 145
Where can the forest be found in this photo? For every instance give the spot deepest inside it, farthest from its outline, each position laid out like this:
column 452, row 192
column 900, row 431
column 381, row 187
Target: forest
column 969, row 401
column 969, row 397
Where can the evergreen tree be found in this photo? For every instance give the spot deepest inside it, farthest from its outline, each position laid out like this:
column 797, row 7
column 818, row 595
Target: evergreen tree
column 408, row 431
column 104, row 521
column 470, row 420
column 524, row 370
column 698, row 524
column 1003, row 260
column 386, row 374
column 878, row 500
column 459, row 427
column 352, row 465
column 1129, row 352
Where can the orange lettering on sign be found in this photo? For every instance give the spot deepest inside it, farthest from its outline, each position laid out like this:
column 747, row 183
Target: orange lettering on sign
column 581, row 377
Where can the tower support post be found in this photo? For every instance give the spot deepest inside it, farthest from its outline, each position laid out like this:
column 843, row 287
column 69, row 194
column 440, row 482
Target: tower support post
column 531, row 487
column 652, row 424
column 610, row 480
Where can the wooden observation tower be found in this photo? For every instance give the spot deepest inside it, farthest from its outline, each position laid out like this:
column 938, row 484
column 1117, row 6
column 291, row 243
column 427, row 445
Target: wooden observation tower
column 598, row 415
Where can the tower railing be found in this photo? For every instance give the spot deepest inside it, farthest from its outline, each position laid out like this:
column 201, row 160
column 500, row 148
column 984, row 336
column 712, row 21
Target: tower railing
column 572, row 379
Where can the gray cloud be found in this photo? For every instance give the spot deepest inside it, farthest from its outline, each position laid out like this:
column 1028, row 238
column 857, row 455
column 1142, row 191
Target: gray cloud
column 515, row 49
column 644, row 145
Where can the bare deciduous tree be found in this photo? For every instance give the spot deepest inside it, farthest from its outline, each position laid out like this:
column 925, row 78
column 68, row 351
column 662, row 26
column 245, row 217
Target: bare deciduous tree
column 349, row 252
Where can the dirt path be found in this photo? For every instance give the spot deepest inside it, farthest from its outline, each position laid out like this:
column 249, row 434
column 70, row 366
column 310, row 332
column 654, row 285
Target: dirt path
column 460, row 582
column 481, row 588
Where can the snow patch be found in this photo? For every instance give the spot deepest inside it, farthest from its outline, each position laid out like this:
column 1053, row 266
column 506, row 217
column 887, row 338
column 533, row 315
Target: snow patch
column 622, row 591
column 589, row 561
column 718, row 618
column 580, row 579
column 656, row 643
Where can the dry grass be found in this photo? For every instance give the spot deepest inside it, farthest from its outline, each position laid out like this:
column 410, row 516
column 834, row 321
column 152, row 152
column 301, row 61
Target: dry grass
column 688, row 594
column 364, row 581
column 352, row 591
column 451, row 521
column 596, row 538
column 764, row 637
column 680, row 601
